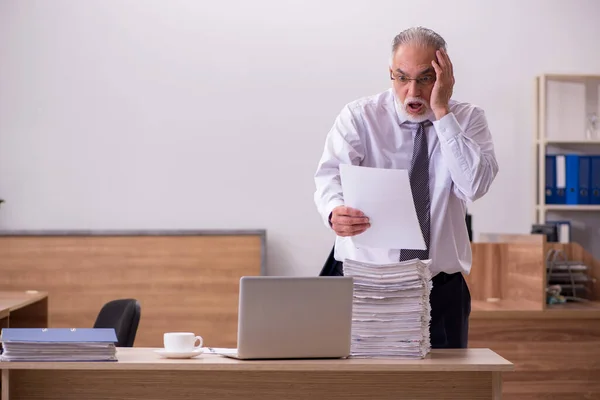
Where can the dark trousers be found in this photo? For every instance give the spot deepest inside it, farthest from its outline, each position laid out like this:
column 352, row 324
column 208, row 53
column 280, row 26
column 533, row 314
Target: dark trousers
column 450, row 308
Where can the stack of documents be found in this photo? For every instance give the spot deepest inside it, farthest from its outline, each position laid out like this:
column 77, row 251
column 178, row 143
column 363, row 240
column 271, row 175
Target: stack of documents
column 58, row 344
column 391, row 310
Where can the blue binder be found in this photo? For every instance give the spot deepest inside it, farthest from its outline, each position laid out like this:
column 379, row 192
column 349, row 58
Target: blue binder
column 577, row 179
column 595, row 180
column 550, row 179
column 59, row 335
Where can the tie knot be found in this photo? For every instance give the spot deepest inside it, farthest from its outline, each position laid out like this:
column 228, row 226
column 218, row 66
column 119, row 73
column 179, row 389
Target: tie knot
column 416, row 125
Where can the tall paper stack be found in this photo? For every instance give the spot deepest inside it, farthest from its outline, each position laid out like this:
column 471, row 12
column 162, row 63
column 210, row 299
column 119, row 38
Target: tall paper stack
column 391, row 310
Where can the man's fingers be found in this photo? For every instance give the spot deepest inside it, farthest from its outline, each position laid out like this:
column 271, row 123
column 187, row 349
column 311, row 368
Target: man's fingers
column 437, row 68
column 344, row 220
column 441, row 60
column 350, row 230
column 356, row 229
column 348, row 221
column 445, row 62
column 352, row 212
column 447, row 58
column 450, row 66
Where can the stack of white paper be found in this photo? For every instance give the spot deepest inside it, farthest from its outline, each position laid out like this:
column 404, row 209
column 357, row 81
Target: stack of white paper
column 58, row 344
column 15, row 351
column 391, row 310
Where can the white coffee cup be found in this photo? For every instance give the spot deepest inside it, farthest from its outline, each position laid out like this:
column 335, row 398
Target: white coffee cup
column 181, row 342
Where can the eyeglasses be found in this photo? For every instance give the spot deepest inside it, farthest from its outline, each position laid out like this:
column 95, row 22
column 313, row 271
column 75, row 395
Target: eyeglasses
column 421, row 81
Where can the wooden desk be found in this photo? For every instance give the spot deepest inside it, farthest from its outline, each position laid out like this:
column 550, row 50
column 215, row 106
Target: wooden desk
column 140, row 374
column 23, row 309
column 555, row 351
column 554, row 347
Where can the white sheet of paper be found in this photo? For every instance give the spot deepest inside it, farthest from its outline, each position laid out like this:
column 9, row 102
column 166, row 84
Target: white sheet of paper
column 383, row 195
column 220, row 350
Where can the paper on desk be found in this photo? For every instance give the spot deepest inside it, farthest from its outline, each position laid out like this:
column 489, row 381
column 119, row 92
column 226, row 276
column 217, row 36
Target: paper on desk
column 220, row 350
column 383, row 195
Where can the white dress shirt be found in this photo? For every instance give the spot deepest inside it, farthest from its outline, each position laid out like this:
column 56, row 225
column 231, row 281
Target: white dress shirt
column 462, row 166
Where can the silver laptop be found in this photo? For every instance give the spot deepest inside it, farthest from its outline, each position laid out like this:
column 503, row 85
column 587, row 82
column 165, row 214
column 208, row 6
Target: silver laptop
column 294, row 317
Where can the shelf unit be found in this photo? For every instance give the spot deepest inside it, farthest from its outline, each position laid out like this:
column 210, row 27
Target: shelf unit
column 571, row 142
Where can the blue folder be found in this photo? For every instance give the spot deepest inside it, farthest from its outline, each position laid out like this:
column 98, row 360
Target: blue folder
column 550, row 179
column 577, row 179
column 595, row 180
column 59, row 335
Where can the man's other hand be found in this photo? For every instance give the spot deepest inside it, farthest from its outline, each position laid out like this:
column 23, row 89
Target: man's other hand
column 444, row 84
column 346, row 221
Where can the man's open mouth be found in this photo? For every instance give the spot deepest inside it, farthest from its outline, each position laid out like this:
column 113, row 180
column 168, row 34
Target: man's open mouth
column 415, row 107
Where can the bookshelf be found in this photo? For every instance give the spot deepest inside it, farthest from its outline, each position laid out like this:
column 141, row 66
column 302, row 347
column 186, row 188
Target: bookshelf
column 564, row 105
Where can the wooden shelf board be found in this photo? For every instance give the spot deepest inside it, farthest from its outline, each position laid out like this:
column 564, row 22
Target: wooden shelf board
column 511, row 309
column 578, row 306
column 569, row 207
column 569, row 141
column 571, row 77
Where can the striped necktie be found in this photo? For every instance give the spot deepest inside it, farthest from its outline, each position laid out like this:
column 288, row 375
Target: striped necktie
column 419, row 184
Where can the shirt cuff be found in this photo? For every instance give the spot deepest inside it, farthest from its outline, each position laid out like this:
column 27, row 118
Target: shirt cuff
column 447, row 127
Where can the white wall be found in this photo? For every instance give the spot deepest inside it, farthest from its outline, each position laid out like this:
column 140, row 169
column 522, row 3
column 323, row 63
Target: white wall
column 190, row 114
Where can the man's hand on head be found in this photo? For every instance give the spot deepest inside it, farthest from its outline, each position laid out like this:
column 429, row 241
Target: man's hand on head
column 347, row 221
column 444, row 84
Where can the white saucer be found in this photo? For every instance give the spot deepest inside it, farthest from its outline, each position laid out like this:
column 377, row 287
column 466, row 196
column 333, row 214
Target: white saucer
column 173, row 354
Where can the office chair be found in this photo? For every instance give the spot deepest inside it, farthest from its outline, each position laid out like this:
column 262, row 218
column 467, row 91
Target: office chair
column 124, row 316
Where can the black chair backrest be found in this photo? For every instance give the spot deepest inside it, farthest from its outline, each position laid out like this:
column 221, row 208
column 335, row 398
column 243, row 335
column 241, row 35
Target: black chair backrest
column 124, row 316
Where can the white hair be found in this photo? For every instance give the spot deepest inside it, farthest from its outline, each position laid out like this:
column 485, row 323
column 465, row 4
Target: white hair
column 419, row 36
